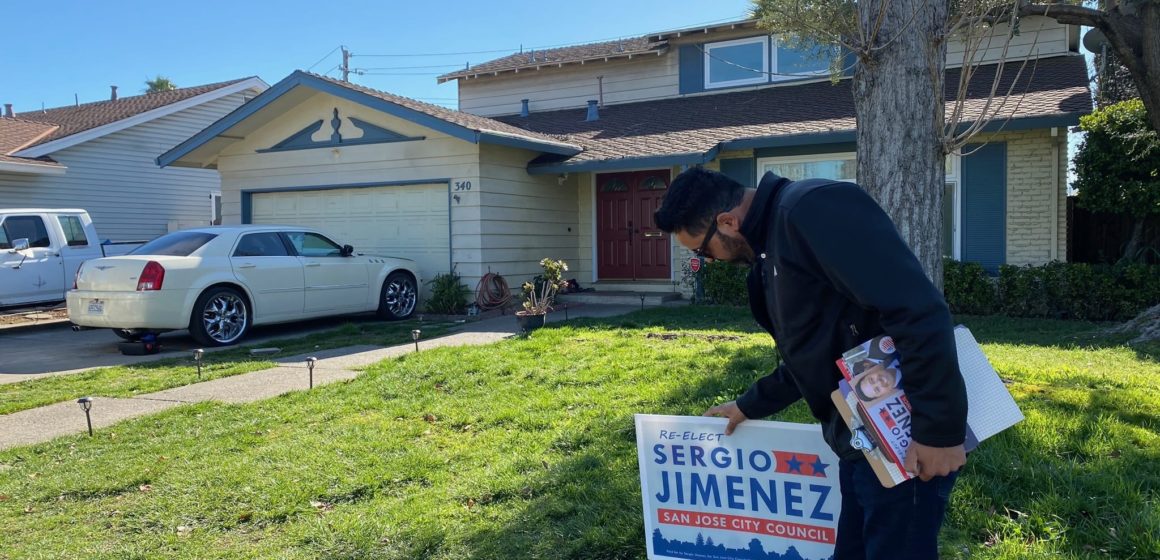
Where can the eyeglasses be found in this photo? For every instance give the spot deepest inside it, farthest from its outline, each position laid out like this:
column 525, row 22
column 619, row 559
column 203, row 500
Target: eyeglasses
column 700, row 251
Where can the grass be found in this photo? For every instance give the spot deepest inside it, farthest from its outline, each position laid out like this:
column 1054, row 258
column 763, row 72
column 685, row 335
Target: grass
column 149, row 377
column 525, row 449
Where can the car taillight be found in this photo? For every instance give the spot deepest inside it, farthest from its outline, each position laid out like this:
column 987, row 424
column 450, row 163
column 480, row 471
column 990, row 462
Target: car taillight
column 151, row 278
column 77, row 276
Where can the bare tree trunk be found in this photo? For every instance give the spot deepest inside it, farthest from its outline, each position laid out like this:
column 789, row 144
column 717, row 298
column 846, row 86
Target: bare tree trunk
column 898, row 101
column 1133, row 242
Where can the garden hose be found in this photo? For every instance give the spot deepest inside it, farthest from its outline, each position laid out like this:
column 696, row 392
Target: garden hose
column 492, row 292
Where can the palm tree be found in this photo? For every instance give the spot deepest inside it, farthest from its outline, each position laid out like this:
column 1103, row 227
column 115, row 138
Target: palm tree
column 158, row 84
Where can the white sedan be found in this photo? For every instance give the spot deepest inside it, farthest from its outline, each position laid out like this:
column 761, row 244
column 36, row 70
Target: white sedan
column 220, row 281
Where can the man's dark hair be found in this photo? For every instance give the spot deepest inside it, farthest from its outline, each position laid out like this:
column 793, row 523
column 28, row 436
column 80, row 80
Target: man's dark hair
column 695, row 197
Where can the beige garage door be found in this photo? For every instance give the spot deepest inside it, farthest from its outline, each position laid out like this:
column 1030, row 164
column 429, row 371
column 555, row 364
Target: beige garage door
column 398, row 221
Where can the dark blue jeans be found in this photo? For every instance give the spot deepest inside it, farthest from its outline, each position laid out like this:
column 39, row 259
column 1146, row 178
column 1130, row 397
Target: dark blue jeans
column 899, row 523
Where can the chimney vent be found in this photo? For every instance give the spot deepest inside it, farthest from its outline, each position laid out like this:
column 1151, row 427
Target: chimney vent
column 524, row 108
column 113, row 95
column 8, row 110
column 593, row 112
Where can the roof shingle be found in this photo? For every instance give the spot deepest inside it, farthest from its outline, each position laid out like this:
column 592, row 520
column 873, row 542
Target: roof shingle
column 697, row 124
column 466, row 120
column 17, row 133
column 86, row 116
column 562, row 55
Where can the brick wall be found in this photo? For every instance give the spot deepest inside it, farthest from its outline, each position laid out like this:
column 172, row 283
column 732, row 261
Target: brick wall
column 1036, row 195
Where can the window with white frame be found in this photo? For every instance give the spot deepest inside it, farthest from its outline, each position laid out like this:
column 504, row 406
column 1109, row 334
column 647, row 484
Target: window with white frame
column 840, row 167
column 760, row 60
column 843, row 167
column 952, row 204
column 736, row 63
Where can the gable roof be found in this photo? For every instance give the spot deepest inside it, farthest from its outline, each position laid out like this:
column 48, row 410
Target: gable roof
column 576, row 54
column 468, row 127
column 692, row 130
column 79, row 123
column 17, row 133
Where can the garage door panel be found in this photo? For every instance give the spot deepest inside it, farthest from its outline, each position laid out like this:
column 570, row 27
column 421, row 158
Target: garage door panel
column 403, row 221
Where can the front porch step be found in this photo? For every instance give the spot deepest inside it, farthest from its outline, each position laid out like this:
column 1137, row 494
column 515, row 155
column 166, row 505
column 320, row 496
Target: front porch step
column 620, row 297
column 662, row 286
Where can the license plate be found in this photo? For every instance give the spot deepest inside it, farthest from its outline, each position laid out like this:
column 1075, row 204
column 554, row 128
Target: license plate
column 96, row 307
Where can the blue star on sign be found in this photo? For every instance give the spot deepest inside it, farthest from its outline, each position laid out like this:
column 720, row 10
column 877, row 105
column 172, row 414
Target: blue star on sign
column 819, row 467
column 793, row 464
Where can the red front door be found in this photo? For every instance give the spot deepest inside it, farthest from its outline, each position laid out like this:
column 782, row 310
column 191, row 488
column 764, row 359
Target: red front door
column 629, row 246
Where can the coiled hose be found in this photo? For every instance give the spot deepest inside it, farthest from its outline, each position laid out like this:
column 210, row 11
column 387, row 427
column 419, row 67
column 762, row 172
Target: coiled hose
column 492, row 292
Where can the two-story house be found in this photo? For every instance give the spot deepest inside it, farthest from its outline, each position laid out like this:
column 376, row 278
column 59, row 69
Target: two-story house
column 565, row 153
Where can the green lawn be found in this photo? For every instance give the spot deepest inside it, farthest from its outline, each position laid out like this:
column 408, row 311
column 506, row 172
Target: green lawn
column 149, row 377
column 525, row 449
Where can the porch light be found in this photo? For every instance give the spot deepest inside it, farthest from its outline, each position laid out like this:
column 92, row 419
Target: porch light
column 310, row 368
column 86, row 404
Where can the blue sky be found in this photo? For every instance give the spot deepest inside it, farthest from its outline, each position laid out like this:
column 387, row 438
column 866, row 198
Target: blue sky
column 53, row 50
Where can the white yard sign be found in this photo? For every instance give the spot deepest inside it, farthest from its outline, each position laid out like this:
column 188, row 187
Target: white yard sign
column 769, row 491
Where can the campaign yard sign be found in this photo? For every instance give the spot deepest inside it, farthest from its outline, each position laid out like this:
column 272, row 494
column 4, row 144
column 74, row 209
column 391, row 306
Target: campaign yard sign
column 769, row 491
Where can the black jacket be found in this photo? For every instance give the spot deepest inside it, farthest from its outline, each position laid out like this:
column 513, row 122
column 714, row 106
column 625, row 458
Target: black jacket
column 832, row 272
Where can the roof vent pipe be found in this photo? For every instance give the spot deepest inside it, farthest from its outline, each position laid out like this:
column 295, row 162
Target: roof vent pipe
column 113, row 95
column 8, row 110
column 593, row 112
column 524, row 108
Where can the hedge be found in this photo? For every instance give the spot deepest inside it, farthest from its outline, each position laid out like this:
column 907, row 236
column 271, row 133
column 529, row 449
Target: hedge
column 1057, row 290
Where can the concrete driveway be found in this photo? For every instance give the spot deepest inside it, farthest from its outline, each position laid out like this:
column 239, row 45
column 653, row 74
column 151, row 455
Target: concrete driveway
column 30, row 353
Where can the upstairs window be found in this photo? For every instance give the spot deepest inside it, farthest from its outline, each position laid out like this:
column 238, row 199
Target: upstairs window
column 761, row 60
column 736, row 63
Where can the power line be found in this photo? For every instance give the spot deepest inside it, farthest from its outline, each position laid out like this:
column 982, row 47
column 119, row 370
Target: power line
column 409, row 67
column 323, row 58
column 521, row 48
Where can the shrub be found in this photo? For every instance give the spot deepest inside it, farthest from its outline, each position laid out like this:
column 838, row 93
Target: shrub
column 968, row 288
column 724, row 283
column 448, row 294
column 1074, row 290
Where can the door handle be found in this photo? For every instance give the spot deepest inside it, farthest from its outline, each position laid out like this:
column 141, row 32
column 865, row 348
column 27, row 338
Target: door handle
column 313, row 264
column 653, row 234
column 247, row 265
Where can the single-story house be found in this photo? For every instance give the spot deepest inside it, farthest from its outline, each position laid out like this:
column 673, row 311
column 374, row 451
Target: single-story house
column 101, row 157
column 565, row 153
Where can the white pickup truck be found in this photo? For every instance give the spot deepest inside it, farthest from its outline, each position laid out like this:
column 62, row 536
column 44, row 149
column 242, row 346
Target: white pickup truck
column 40, row 250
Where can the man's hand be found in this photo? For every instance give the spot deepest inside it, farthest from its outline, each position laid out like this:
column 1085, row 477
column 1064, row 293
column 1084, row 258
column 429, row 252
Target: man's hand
column 928, row 462
column 728, row 410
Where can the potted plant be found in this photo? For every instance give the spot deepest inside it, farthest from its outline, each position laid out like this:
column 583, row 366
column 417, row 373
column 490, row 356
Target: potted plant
column 540, row 294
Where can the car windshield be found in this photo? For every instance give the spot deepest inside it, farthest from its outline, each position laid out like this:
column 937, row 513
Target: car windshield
column 177, row 244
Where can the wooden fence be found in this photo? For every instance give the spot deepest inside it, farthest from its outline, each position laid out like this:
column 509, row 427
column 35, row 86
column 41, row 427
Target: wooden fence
column 1100, row 238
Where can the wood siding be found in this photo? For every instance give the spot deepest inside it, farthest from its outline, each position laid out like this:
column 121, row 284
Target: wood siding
column 437, row 158
column 116, row 178
column 522, row 218
column 640, row 79
column 652, row 76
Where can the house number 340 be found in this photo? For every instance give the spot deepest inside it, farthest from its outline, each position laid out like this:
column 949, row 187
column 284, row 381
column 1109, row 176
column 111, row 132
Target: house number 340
column 463, row 185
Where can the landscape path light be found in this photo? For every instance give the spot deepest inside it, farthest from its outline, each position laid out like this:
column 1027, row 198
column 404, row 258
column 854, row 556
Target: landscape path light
column 197, row 356
column 415, row 336
column 310, row 368
column 87, row 405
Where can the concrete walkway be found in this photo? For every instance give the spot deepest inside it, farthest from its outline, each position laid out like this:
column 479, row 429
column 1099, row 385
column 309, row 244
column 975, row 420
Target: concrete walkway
column 46, row 423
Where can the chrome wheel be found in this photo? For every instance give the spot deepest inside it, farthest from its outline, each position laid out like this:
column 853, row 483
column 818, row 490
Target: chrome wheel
column 224, row 317
column 399, row 296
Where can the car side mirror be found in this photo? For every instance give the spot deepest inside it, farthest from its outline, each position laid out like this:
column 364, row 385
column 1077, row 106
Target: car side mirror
column 347, row 251
column 21, row 244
